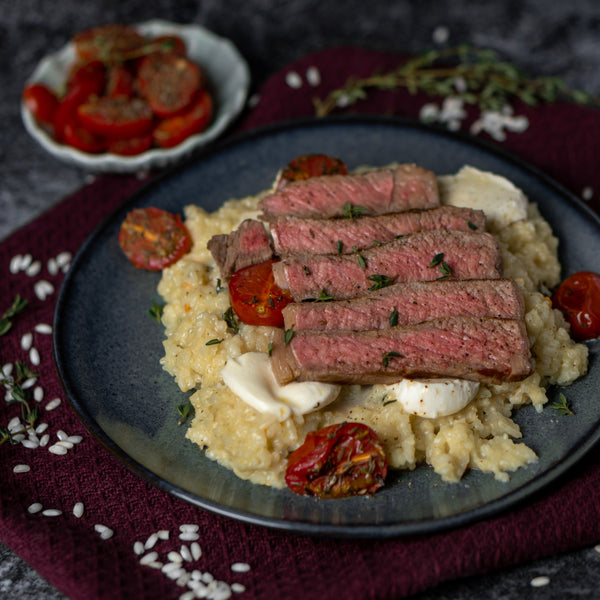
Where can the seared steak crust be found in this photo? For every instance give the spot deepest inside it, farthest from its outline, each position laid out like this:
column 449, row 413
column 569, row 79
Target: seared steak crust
column 477, row 349
column 459, row 254
column 247, row 245
column 381, row 191
column 410, row 303
column 293, row 235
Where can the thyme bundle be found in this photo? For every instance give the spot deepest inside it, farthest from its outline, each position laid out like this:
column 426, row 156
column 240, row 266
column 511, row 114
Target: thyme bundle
column 475, row 75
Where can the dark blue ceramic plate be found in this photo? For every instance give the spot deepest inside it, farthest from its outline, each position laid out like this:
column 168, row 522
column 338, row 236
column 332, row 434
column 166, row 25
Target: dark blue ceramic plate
column 107, row 348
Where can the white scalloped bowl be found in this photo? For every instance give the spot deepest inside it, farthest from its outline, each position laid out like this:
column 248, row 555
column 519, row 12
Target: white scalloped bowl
column 227, row 72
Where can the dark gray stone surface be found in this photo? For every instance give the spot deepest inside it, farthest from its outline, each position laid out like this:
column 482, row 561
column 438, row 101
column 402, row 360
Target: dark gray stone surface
column 542, row 36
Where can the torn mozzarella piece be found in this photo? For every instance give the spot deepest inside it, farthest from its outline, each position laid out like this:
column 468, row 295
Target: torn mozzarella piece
column 500, row 200
column 250, row 377
column 431, row 398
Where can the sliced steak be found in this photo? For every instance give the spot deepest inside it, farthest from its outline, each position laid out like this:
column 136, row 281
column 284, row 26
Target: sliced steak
column 293, row 235
column 467, row 255
column 410, row 303
column 247, row 245
column 478, row 349
column 378, row 192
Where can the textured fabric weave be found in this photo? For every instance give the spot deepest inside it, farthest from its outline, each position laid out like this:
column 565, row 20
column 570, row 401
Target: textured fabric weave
column 561, row 140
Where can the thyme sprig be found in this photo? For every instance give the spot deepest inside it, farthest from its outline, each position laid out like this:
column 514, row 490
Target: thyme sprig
column 5, row 320
column 21, row 396
column 485, row 81
column 562, row 406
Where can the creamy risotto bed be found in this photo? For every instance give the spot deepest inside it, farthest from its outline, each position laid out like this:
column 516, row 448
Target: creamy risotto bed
column 256, row 446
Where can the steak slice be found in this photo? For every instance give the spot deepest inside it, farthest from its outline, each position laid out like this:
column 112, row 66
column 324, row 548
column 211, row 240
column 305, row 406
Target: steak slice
column 410, row 303
column 467, row 255
column 381, row 191
column 473, row 348
column 247, row 245
column 293, row 235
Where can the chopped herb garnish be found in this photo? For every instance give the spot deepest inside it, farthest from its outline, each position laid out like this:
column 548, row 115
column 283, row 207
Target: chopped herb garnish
column 156, row 311
column 394, row 318
column 361, row 261
column 436, row 260
column 5, row 320
column 213, row 342
column 323, row 297
column 472, row 225
column 386, row 402
column 340, row 246
column 381, row 281
column 184, row 411
column 350, row 211
column 387, row 355
column 270, row 348
column 229, row 318
column 288, row 335
column 219, row 287
column 306, row 270
column 445, row 270
column 562, row 405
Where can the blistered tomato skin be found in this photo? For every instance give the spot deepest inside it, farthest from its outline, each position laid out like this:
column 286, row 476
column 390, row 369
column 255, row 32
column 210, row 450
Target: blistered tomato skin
column 337, row 462
column 255, row 298
column 306, row 166
column 153, row 238
column 578, row 297
column 41, row 101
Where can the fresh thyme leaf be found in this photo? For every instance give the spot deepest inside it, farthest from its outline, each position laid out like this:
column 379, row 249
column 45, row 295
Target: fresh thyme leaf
column 270, row 348
column 487, row 82
column 381, row 281
column 437, row 259
column 562, row 406
column 472, row 225
column 288, row 335
column 445, row 270
column 17, row 306
column 156, row 311
column 350, row 210
column 339, row 246
column 323, row 297
column 394, row 318
column 361, row 261
column 229, row 318
column 387, row 355
column 386, row 402
column 213, row 342
column 184, row 411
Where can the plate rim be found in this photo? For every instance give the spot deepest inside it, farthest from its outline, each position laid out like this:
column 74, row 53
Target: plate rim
column 530, row 489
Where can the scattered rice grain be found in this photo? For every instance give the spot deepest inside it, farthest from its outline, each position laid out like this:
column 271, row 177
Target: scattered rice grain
column 7, row 369
column 105, row 532
column 43, row 328
column 61, row 435
column 34, row 356
column 151, row 541
column 587, row 193
column 38, row 393
column 138, row 548
column 240, row 567
column 66, row 444
column 26, row 341
column 53, row 404
column 148, row 558
column 78, row 509
column 174, row 574
column 313, row 76
column 540, row 581
column 188, row 595
column 34, row 508
column 43, row 289
column 18, row 438
column 185, row 553
column 155, row 564
column 52, row 266
column 28, row 383
column 41, row 428
column 8, row 397
column 207, row 577
column 52, row 512
column 14, row 425
column 183, row 579
column 59, row 450
column 293, row 80
column 63, row 259
column 15, row 264
column 163, row 534
column 44, row 440
column 74, row 439
column 21, row 468
column 440, row 34
column 31, row 444
column 188, row 536
column 174, row 557
column 238, row 588
column 196, row 550
column 34, row 268
column 188, row 527
column 170, row 567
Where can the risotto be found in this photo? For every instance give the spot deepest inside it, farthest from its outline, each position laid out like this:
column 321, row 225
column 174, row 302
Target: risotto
column 481, row 436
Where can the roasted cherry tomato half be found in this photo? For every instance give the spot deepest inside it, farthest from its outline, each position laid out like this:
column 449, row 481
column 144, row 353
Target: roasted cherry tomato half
column 92, row 75
column 130, row 146
column 41, row 102
column 338, row 461
column 255, row 298
column 80, row 138
column 119, row 82
column 313, row 165
column 108, row 43
column 117, row 118
column 578, row 297
column 195, row 119
column 168, row 82
column 153, row 238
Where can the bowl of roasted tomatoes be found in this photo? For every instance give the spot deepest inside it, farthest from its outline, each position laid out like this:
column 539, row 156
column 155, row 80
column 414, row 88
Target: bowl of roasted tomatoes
column 125, row 98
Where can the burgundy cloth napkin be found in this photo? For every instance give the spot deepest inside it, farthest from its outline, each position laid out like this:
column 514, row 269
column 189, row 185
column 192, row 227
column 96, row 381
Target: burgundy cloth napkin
column 72, row 554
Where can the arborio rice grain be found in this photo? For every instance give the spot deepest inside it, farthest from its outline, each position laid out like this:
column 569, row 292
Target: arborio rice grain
column 255, row 446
